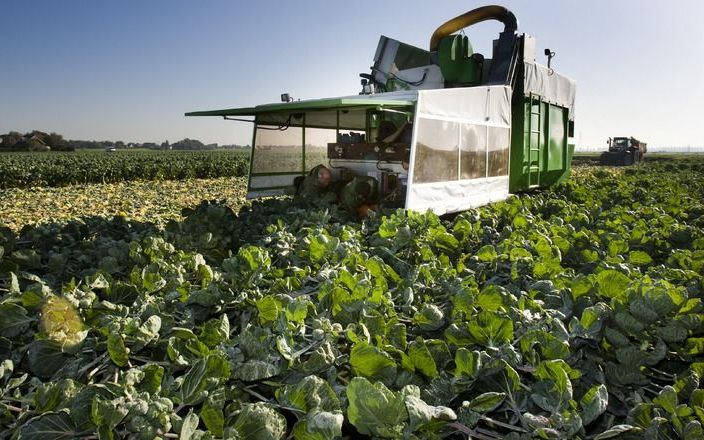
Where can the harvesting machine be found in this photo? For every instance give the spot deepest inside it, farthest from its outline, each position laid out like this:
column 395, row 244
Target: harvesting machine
column 445, row 129
column 623, row 151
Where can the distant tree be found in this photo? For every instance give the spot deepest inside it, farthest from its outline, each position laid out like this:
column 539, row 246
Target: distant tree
column 57, row 142
column 10, row 140
column 188, row 144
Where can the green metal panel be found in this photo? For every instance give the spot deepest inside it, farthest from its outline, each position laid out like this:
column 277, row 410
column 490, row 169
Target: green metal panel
column 313, row 104
column 303, row 152
column 456, row 62
column 540, row 154
column 557, row 138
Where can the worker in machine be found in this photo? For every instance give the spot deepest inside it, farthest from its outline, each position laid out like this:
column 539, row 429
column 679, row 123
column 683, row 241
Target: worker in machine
column 360, row 195
column 315, row 188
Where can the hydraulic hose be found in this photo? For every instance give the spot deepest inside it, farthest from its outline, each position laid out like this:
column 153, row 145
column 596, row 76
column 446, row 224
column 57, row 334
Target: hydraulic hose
column 475, row 16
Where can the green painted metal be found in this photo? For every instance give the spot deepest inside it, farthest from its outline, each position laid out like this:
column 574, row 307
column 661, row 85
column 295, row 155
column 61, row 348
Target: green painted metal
column 456, row 62
column 535, row 140
column 313, row 104
column 303, row 150
column 557, row 139
column 540, row 153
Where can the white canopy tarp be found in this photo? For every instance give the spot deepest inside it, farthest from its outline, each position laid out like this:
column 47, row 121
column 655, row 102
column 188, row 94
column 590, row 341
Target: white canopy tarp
column 553, row 87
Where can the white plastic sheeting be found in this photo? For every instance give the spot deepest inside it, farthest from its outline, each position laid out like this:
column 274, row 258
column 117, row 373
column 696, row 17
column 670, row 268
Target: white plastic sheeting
column 490, row 105
column 475, row 109
column 553, row 87
column 448, row 197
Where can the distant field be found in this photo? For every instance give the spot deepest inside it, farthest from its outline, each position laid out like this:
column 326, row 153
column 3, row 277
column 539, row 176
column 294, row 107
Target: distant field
column 24, row 170
column 583, row 158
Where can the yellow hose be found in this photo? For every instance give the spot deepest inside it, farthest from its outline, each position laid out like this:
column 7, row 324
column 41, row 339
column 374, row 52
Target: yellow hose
column 473, row 17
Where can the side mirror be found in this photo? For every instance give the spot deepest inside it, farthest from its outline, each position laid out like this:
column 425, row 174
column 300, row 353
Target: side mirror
column 547, row 52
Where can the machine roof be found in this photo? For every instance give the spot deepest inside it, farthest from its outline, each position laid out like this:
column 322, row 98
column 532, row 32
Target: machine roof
column 313, row 104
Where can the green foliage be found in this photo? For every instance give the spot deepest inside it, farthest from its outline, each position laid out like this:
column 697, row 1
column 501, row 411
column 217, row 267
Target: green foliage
column 23, row 170
column 571, row 313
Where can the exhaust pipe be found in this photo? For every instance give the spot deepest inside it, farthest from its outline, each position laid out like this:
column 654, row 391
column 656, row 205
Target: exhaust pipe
column 475, row 16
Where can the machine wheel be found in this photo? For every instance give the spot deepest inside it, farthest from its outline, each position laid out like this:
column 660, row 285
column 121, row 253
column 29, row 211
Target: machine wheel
column 628, row 159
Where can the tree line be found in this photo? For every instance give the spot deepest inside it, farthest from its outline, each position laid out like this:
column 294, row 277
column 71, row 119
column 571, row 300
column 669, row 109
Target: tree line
column 40, row 141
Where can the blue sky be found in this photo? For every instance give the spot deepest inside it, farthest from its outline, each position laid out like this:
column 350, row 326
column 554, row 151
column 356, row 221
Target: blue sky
column 128, row 70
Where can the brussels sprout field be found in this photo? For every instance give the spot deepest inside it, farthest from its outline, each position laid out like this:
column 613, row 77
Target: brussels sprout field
column 570, row 313
column 22, row 170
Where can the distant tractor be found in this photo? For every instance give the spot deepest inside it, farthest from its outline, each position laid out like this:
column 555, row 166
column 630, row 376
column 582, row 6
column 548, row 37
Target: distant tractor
column 442, row 128
column 624, row 151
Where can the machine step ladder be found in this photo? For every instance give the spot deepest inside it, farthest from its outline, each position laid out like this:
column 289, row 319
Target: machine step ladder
column 534, row 150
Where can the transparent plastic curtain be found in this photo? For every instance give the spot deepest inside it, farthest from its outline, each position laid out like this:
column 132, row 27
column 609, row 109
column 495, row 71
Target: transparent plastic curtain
column 461, row 148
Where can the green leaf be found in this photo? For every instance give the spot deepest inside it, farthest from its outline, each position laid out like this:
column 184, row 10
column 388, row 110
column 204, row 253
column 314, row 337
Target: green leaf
column 694, row 346
column 51, row 425
column 117, row 350
column 421, row 358
column 297, row 310
column 259, row 421
column 612, row 284
column 489, row 299
column 147, row 332
column 616, row 431
column 667, row 399
column 467, row 362
column 205, row 374
column 672, row 332
column 697, row 398
column 255, row 370
column 189, row 426
column 215, row 331
column 13, row 320
column 556, row 386
column 53, row 395
column 319, row 425
column 46, row 357
column 309, row 394
column 581, row 286
column 487, row 254
column 107, row 414
column 629, row 323
column 594, row 403
column 616, row 338
column 371, row 362
column 429, row 318
column 268, row 308
column 487, row 402
column 617, row 247
column 693, row 431
column 420, row 413
column 490, row 329
column 213, row 418
column 640, row 258
column 624, row 374
column 153, row 376
column 374, row 409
